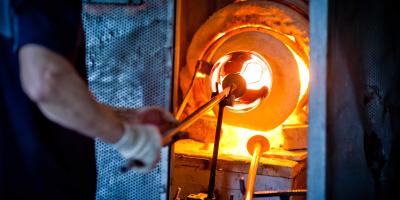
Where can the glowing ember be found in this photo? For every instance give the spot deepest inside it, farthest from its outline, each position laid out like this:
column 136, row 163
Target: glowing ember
column 232, row 145
column 234, row 139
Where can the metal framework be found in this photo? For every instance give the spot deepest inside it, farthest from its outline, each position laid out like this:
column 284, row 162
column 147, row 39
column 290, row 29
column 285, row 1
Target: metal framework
column 317, row 132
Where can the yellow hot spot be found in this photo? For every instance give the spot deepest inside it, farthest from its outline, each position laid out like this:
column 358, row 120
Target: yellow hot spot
column 234, row 139
column 303, row 72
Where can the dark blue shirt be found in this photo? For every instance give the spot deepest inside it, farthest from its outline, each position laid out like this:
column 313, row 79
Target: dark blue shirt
column 38, row 158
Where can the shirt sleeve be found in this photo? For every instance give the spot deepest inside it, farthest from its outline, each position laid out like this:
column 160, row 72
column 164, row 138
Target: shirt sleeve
column 53, row 24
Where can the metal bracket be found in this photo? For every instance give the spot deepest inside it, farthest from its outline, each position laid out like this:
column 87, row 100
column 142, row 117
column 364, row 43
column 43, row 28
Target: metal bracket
column 211, row 184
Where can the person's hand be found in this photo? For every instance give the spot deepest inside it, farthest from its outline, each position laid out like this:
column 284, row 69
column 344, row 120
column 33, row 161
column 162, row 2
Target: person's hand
column 156, row 116
column 141, row 141
column 140, row 145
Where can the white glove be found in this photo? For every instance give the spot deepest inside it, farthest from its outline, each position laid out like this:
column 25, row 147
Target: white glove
column 141, row 144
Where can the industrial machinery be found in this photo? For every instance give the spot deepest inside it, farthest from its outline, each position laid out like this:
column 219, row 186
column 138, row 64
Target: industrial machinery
column 339, row 132
column 251, row 58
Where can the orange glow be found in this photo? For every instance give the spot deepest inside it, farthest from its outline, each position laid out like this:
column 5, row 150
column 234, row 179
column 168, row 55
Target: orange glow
column 234, row 139
column 200, row 75
column 256, row 73
column 303, row 71
column 232, row 145
column 253, row 68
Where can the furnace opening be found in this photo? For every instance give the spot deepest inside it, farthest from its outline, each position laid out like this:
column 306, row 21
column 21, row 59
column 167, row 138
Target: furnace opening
column 253, row 68
column 266, row 44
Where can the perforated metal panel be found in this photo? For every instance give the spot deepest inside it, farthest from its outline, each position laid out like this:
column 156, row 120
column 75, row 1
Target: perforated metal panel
column 129, row 64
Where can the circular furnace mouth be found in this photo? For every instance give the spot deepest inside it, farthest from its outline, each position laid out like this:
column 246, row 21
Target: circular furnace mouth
column 253, row 68
column 266, row 31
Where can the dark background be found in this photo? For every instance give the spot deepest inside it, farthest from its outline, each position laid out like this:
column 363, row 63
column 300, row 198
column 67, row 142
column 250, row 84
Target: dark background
column 363, row 100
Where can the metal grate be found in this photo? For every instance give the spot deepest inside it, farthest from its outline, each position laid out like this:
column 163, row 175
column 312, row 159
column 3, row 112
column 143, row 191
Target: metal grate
column 136, row 2
column 129, row 60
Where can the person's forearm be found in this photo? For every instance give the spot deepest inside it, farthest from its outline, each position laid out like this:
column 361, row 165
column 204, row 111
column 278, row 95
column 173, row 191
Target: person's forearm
column 63, row 96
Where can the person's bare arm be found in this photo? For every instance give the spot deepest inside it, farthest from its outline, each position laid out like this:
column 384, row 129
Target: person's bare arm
column 54, row 85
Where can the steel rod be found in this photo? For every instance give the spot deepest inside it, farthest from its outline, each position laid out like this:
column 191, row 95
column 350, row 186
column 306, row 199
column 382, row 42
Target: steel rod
column 186, row 123
column 251, row 179
column 195, row 116
column 188, row 93
column 211, row 183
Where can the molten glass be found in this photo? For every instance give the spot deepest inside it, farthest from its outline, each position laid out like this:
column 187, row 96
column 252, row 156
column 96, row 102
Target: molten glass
column 253, row 68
